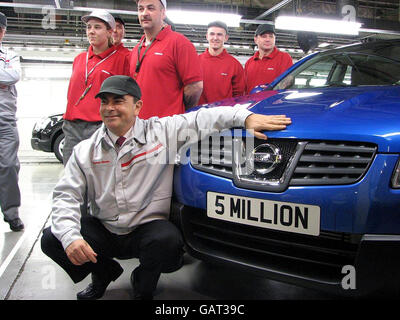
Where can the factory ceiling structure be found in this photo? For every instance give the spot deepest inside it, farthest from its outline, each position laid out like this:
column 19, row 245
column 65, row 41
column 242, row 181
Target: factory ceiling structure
column 56, row 24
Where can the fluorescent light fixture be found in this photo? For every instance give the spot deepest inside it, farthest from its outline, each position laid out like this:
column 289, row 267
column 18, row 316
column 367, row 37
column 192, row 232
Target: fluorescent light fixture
column 324, row 45
column 317, row 25
column 202, row 17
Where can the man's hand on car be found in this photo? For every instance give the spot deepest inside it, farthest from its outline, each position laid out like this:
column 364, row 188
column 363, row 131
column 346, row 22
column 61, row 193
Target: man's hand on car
column 259, row 122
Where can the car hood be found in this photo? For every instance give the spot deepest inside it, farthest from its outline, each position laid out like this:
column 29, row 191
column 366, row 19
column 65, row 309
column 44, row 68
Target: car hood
column 368, row 114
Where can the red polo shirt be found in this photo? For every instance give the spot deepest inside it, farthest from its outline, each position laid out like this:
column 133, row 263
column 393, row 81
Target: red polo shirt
column 168, row 66
column 124, row 49
column 223, row 77
column 99, row 67
column 260, row 71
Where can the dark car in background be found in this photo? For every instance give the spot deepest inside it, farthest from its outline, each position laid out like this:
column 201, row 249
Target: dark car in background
column 317, row 204
column 47, row 135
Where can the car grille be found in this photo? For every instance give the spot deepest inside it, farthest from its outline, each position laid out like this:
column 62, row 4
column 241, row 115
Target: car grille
column 332, row 163
column 320, row 162
column 305, row 256
column 213, row 155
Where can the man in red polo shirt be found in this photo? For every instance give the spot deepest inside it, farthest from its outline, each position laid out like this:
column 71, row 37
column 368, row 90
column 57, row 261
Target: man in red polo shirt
column 165, row 64
column 223, row 75
column 89, row 70
column 268, row 62
column 119, row 34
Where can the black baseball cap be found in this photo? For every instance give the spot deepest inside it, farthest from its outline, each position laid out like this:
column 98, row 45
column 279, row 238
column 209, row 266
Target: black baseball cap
column 265, row 28
column 218, row 24
column 120, row 85
column 119, row 18
column 3, row 20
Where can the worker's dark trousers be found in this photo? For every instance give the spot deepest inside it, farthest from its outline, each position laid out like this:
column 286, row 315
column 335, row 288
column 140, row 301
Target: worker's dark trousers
column 157, row 244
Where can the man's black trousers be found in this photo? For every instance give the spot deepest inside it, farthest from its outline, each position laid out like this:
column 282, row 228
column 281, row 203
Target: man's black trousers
column 158, row 245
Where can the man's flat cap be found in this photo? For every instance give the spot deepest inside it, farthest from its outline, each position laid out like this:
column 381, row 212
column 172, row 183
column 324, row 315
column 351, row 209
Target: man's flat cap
column 119, row 18
column 120, row 85
column 218, row 24
column 265, row 28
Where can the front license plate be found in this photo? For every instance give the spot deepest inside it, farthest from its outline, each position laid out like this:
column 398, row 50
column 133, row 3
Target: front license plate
column 283, row 216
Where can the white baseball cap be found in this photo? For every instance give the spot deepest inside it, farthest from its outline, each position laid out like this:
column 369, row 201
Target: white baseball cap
column 164, row 3
column 101, row 14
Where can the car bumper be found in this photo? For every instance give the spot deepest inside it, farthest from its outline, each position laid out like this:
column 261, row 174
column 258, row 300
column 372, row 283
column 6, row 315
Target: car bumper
column 40, row 144
column 340, row 263
column 359, row 227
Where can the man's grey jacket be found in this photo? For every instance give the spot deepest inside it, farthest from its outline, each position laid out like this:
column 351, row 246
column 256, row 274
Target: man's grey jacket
column 131, row 186
column 10, row 72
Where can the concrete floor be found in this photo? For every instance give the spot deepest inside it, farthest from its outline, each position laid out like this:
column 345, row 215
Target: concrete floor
column 27, row 274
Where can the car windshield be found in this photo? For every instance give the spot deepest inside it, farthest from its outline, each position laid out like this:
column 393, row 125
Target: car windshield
column 342, row 69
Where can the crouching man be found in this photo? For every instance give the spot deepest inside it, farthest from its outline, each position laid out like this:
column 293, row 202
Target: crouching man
column 122, row 169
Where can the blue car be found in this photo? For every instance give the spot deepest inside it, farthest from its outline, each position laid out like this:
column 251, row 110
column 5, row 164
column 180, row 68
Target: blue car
column 317, row 204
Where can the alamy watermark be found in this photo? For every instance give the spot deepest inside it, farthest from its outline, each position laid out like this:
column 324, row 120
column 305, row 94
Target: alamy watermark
column 349, row 280
column 212, row 149
column 49, row 277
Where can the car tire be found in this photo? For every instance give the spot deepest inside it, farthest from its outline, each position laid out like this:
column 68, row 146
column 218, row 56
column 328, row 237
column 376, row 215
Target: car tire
column 58, row 147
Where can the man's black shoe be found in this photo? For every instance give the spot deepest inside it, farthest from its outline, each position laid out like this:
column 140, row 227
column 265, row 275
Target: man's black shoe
column 15, row 224
column 96, row 289
column 136, row 294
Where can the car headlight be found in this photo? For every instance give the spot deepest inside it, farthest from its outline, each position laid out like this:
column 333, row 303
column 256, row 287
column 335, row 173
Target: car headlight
column 42, row 124
column 396, row 176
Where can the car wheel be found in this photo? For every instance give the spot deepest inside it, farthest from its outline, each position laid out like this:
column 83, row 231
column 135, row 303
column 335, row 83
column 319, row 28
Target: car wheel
column 58, row 147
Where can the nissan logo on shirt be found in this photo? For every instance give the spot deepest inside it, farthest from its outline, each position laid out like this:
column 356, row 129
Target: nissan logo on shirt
column 265, row 158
